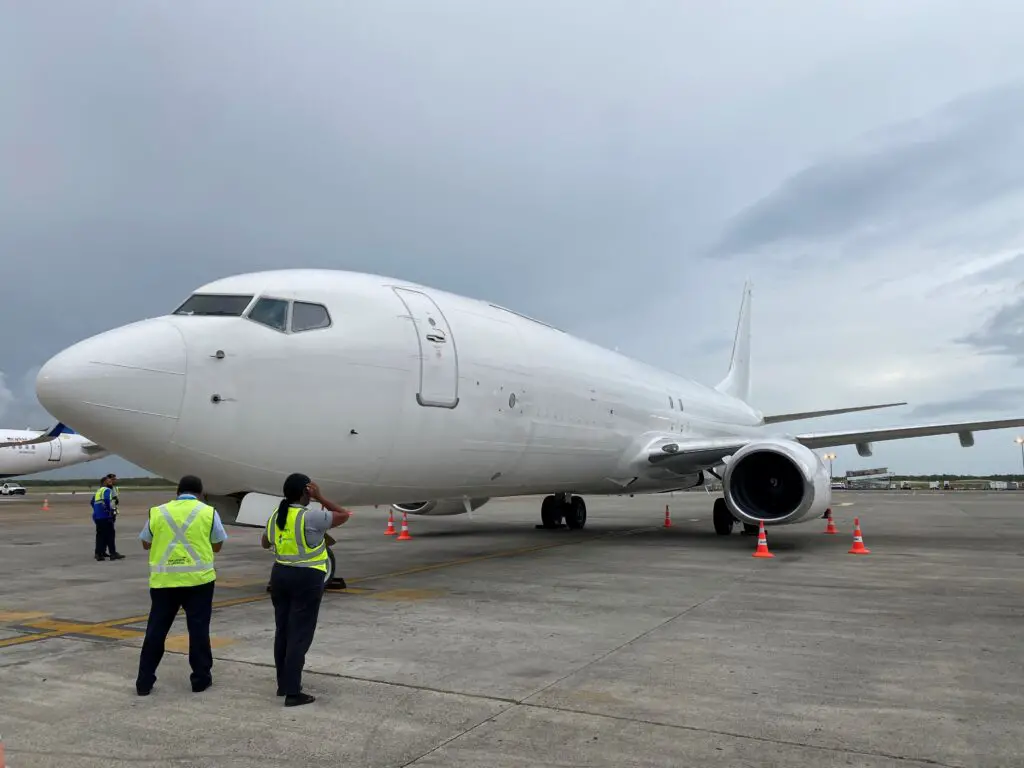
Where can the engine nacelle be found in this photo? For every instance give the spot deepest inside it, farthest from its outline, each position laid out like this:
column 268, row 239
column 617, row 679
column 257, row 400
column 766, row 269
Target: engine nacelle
column 776, row 481
column 438, row 507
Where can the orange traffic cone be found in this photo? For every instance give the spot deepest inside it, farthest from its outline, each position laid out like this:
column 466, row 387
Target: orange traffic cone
column 391, row 523
column 762, row 543
column 404, row 535
column 46, row 505
column 830, row 527
column 668, row 518
column 858, row 547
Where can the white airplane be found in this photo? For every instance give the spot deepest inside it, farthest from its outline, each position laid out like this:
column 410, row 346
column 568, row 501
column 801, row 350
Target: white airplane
column 28, row 451
column 384, row 390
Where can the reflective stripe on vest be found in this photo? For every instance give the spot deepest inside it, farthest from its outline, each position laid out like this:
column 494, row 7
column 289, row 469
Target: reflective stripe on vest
column 180, row 574
column 290, row 544
column 97, row 501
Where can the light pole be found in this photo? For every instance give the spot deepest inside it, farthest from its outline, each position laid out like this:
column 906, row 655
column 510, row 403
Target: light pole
column 1020, row 441
column 832, row 456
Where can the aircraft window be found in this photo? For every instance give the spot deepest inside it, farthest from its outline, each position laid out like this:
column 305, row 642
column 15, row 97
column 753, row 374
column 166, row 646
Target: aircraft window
column 306, row 316
column 272, row 313
column 221, row 304
column 671, row 404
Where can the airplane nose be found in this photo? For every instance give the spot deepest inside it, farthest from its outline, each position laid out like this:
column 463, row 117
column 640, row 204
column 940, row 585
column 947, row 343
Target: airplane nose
column 128, row 381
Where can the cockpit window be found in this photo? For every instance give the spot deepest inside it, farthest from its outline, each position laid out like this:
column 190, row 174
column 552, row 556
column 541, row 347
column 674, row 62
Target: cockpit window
column 306, row 316
column 223, row 304
column 272, row 313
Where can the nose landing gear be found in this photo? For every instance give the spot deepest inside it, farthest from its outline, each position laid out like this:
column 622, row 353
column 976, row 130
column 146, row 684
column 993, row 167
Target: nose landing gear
column 563, row 507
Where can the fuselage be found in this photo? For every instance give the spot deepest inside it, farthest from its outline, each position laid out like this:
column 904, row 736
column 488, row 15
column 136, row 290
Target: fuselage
column 65, row 450
column 396, row 392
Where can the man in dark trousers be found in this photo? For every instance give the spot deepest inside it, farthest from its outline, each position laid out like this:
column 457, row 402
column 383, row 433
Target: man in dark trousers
column 182, row 537
column 103, row 514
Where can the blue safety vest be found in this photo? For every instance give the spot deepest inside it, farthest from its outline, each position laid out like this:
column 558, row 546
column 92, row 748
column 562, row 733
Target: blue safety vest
column 101, row 503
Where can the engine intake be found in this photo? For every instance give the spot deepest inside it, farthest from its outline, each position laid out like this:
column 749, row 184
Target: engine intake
column 777, row 482
column 438, row 507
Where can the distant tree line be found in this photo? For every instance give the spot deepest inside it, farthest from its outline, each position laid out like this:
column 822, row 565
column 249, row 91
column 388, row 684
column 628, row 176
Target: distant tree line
column 951, row 478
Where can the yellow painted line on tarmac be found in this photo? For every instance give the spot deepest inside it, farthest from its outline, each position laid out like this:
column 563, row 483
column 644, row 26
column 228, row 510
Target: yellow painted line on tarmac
column 113, row 628
column 82, row 628
column 179, row 643
column 8, row 642
column 407, row 594
column 16, row 617
column 238, row 582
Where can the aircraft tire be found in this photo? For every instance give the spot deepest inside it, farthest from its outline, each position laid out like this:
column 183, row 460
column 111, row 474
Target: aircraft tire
column 331, row 567
column 576, row 514
column 550, row 513
column 723, row 518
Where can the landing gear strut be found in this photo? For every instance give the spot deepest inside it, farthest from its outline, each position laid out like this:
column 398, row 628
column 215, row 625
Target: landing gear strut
column 724, row 520
column 563, row 507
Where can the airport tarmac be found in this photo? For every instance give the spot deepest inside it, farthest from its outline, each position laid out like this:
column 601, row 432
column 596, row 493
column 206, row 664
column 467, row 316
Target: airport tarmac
column 486, row 642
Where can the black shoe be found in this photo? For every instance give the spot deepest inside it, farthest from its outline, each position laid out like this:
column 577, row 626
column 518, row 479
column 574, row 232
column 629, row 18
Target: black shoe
column 142, row 691
column 200, row 687
column 298, row 700
column 100, row 558
column 117, row 556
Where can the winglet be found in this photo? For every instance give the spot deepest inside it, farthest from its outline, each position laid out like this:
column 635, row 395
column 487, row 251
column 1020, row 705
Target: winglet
column 737, row 381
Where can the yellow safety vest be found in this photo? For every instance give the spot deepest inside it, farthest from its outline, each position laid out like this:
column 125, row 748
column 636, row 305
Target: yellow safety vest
column 97, row 498
column 290, row 546
column 181, row 554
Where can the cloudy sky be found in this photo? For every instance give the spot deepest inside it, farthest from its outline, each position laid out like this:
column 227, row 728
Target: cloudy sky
column 617, row 169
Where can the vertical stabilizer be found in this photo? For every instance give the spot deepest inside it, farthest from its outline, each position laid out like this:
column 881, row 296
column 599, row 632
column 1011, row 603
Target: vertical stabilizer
column 737, row 381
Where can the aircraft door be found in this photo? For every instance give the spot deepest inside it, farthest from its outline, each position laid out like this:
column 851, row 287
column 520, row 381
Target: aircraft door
column 55, row 449
column 439, row 364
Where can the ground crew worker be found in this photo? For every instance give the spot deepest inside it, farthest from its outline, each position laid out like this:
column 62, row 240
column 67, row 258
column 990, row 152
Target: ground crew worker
column 103, row 514
column 182, row 537
column 297, row 535
column 115, row 494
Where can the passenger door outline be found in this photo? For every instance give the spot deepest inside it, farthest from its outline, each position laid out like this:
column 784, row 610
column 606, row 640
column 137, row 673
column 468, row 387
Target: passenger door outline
column 439, row 361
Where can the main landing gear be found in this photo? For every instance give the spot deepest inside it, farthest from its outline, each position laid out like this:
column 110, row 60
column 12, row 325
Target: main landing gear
column 724, row 520
column 561, row 507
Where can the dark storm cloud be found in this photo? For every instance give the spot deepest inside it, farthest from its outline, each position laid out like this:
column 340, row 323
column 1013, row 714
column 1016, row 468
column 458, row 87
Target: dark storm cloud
column 960, row 157
column 1002, row 334
column 566, row 161
column 1005, row 400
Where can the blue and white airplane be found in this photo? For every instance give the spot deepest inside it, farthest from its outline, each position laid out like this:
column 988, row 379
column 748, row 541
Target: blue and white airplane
column 29, row 451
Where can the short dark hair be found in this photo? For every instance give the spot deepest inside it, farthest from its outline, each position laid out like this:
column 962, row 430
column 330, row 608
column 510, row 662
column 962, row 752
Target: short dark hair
column 190, row 484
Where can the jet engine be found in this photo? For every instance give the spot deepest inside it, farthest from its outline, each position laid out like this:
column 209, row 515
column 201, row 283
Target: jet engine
column 777, row 481
column 439, row 507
